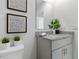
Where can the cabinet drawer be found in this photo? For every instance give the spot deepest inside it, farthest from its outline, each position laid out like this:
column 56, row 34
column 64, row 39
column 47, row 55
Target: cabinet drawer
column 60, row 43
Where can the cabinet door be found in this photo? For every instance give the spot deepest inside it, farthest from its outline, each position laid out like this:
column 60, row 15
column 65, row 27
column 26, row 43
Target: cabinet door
column 63, row 53
column 57, row 54
column 67, row 52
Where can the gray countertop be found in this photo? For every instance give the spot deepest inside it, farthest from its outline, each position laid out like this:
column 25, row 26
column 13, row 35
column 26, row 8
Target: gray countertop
column 49, row 35
column 56, row 37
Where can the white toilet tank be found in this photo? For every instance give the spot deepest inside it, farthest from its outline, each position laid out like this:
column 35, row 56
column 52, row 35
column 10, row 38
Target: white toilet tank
column 15, row 52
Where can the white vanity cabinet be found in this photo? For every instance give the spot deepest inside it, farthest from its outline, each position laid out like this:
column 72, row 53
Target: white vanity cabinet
column 54, row 47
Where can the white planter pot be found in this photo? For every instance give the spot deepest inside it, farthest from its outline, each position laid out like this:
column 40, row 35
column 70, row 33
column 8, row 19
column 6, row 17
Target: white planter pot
column 17, row 43
column 54, row 32
column 6, row 45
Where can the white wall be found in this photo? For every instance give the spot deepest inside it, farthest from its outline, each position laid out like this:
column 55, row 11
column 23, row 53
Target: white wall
column 66, row 11
column 28, row 38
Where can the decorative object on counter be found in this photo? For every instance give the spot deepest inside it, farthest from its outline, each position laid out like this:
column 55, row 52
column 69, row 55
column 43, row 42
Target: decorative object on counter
column 17, row 5
column 5, row 42
column 16, row 23
column 55, row 25
column 43, row 34
column 17, row 40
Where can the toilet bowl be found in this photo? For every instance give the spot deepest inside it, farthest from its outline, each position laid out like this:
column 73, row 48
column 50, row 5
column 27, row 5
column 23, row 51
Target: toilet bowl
column 15, row 52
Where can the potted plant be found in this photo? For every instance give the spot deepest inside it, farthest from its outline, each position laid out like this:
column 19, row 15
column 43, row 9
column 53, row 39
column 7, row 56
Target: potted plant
column 17, row 40
column 5, row 42
column 55, row 25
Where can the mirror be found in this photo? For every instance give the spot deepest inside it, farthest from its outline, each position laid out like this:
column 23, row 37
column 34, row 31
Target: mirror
column 44, row 13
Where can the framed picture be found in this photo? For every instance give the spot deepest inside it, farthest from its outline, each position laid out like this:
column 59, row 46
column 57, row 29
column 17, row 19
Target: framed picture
column 16, row 23
column 17, row 5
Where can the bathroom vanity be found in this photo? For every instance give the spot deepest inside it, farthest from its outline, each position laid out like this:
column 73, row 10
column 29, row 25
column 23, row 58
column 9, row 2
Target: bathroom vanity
column 57, row 46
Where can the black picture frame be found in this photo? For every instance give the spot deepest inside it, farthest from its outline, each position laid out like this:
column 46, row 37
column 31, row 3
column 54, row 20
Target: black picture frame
column 8, row 19
column 15, row 9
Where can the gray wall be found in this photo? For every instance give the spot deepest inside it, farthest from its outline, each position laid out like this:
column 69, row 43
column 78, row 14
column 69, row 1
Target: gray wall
column 28, row 38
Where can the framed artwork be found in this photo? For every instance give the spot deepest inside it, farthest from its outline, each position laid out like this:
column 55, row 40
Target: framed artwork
column 16, row 23
column 17, row 5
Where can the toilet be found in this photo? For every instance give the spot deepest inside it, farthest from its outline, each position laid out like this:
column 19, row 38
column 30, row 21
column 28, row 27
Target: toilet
column 15, row 52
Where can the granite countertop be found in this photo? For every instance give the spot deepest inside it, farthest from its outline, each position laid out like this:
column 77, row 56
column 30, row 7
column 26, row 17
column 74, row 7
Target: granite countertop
column 56, row 37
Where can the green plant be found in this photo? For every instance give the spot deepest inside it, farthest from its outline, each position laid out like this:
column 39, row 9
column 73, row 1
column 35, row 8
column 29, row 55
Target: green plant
column 17, row 38
column 5, row 40
column 54, row 24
